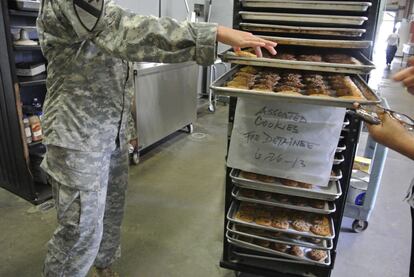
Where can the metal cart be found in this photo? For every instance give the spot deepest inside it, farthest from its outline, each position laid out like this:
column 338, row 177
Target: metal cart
column 361, row 213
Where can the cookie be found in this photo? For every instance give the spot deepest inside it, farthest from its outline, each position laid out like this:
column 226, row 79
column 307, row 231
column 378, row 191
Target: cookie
column 264, row 221
column 279, row 247
column 280, row 224
column 317, row 255
column 289, row 183
column 249, row 175
column 266, row 179
column 318, row 204
column 244, row 217
column 301, row 225
column 264, row 195
column 296, row 251
column 301, row 202
column 320, row 230
column 262, row 243
column 304, row 185
column 246, row 54
column 248, row 193
column 249, row 69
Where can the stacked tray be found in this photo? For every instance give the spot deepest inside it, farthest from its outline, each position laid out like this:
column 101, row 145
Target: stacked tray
column 329, row 20
column 288, row 202
column 308, row 5
column 330, row 193
column 361, row 66
column 239, row 242
column 220, row 88
column 277, row 238
column 289, row 29
column 290, row 231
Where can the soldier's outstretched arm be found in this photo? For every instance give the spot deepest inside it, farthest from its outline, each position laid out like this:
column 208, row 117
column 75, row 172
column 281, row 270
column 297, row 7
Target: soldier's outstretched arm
column 146, row 38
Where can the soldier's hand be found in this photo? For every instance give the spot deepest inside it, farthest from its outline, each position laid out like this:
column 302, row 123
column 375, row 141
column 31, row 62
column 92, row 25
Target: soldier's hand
column 239, row 39
column 407, row 76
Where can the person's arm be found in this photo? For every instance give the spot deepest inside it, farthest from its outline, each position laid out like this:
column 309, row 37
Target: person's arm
column 392, row 134
column 406, row 76
column 132, row 37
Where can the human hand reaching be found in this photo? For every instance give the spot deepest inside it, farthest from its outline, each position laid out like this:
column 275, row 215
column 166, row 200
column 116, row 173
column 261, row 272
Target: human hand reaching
column 239, row 39
column 406, row 76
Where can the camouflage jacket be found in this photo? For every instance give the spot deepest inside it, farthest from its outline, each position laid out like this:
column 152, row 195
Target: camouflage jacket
column 90, row 84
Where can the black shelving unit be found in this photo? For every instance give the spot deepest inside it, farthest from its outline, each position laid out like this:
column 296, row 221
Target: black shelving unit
column 17, row 174
column 32, row 81
column 262, row 267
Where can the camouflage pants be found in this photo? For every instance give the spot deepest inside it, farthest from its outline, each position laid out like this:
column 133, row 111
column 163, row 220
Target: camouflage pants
column 89, row 191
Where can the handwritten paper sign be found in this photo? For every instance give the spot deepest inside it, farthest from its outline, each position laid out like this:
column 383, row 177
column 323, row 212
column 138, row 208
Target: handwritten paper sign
column 286, row 140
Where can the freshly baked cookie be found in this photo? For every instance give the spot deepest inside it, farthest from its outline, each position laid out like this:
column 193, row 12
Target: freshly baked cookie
column 245, row 54
column 264, row 221
column 248, row 193
column 264, row 195
column 244, row 217
column 320, row 230
column 289, row 183
column 301, row 225
column 296, row 251
column 249, row 175
column 318, row 204
column 317, row 255
column 304, row 185
column 266, row 179
column 280, row 223
column 249, row 69
column 262, row 243
column 279, row 247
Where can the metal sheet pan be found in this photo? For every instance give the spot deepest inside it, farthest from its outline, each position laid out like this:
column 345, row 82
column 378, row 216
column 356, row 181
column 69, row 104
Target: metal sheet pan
column 233, row 239
column 231, row 216
column 220, row 89
column 285, row 29
column 308, row 5
column 321, row 43
column 328, row 208
column 365, row 66
column 239, row 253
column 331, row 20
column 324, row 244
column 330, row 193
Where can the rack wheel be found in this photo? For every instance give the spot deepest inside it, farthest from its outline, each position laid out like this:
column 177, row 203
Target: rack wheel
column 134, row 158
column 211, row 108
column 359, row 225
column 190, row 128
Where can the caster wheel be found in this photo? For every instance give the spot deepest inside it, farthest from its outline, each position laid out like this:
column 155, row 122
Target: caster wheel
column 134, row 158
column 211, row 108
column 359, row 226
column 190, row 128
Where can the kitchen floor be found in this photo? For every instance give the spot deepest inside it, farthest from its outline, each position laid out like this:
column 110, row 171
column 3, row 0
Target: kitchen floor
column 174, row 214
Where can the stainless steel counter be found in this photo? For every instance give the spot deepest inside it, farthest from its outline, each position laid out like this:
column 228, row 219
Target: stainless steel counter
column 166, row 99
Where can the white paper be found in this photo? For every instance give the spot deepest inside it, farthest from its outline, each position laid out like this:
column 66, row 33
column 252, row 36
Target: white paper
column 286, row 140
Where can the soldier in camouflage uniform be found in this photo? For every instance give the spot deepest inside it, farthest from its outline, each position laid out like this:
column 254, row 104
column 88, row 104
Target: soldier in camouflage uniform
column 87, row 44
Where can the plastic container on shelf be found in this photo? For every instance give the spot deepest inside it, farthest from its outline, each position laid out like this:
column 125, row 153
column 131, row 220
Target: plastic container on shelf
column 36, row 127
column 27, row 130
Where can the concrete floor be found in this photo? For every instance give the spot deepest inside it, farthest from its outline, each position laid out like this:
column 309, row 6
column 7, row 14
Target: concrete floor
column 174, row 215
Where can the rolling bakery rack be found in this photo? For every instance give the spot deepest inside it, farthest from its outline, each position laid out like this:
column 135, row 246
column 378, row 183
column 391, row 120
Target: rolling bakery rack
column 300, row 27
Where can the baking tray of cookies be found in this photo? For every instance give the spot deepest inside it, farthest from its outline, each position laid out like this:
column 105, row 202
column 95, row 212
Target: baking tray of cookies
column 354, row 63
column 324, row 43
column 284, row 201
column 281, row 220
column 238, row 241
column 285, row 29
column 261, row 256
column 277, row 237
column 271, row 184
column 308, row 5
column 328, row 20
column 365, row 95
